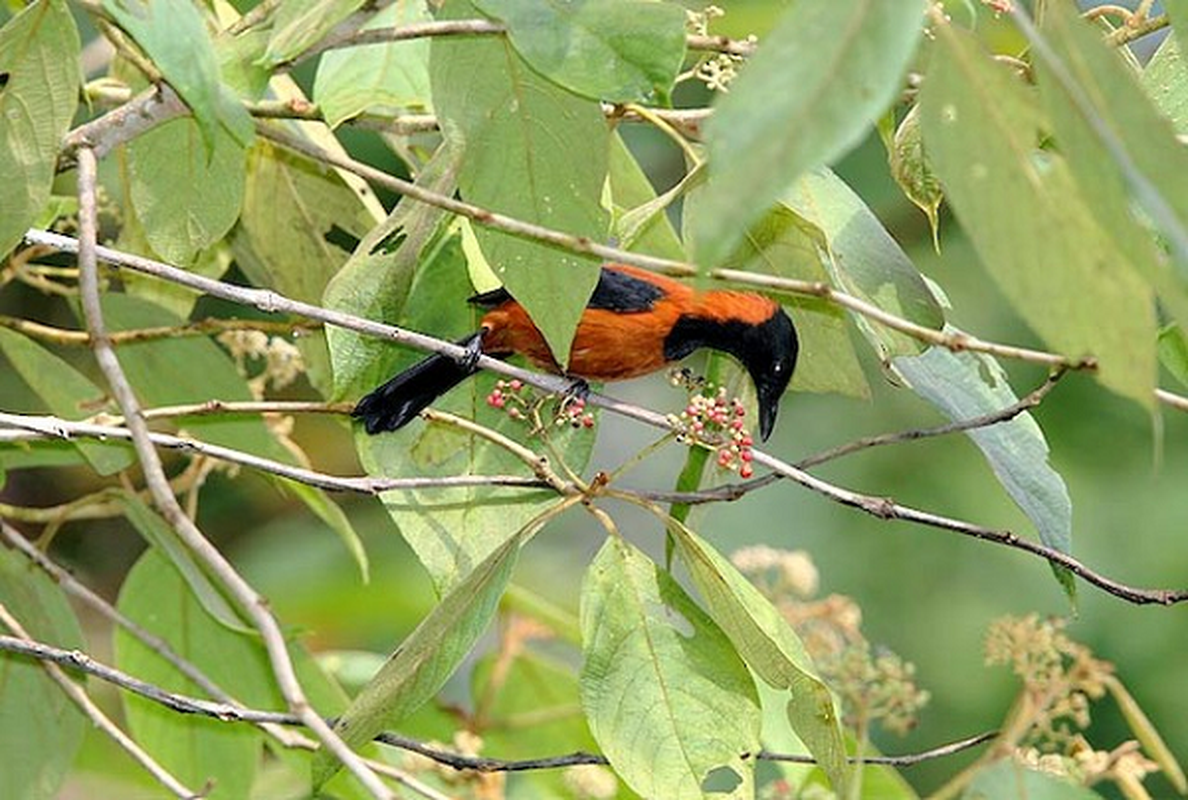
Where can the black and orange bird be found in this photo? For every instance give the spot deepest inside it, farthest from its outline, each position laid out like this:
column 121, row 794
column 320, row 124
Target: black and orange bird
column 636, row 322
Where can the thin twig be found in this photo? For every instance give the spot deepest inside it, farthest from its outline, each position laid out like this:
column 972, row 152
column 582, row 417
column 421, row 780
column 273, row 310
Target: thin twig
column 205, row 327
column 43, row 427
column 250, row 603
column 183, row 704
column 76, row 695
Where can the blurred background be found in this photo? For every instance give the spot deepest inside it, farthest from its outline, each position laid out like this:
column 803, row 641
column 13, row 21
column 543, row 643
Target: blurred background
column 926, row 594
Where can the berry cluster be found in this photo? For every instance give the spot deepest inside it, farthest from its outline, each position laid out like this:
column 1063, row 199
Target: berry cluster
column 717, row 415
column 520, row 403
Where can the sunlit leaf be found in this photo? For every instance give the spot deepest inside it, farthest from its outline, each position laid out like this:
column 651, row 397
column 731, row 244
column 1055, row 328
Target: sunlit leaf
column 809, row 94
column 40, row 729
column 668, row 699
column 615, row 50
column 39, row 50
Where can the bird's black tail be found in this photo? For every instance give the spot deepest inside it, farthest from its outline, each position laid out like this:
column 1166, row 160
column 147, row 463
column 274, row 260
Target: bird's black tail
column 398, row 401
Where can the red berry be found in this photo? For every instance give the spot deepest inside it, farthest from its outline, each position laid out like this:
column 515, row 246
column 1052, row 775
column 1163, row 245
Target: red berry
column 746, row 471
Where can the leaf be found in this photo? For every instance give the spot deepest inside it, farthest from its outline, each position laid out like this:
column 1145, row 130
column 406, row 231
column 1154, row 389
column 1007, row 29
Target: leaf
column 1173, row 352
column 615, row 50
column 39, row 49
column 1114, row 184
column 667, row 697
column 1006, row 779
column 1028, row 222
column 912, row 171
column 770, row 648
column 375, row 281
column 1165, row 80
column 865, row 261
column 66, row 392
column 173, row 33
column 808, row 95
column 377, row 78
column 161, row 536
column 530, row 150
column 180, row 223
column 966, row 385
column 423, row 662
column 41, row 730
column 631, row 192
column 299, row 24
column 453, row 529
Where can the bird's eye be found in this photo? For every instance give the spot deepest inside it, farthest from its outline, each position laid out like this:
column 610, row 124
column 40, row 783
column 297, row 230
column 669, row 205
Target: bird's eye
column 778, row 368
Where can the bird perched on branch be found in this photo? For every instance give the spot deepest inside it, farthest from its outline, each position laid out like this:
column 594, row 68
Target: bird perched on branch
column 636, row 322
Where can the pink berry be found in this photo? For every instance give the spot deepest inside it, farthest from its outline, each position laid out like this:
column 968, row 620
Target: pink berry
column 746, row 471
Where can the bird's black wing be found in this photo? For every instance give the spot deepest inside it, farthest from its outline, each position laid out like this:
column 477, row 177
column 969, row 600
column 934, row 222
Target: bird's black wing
column 616, row 291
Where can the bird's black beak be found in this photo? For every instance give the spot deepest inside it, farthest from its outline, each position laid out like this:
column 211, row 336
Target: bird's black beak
column 768, row 408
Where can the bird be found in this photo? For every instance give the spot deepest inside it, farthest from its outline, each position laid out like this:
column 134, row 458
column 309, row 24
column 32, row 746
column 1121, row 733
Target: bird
column 635, row 323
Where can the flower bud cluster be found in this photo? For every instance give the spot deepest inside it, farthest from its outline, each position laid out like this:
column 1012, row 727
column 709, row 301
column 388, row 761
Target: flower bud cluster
column 724, row 418
column 519, row 402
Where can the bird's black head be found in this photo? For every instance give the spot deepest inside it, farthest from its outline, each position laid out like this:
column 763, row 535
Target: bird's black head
column 768, row 351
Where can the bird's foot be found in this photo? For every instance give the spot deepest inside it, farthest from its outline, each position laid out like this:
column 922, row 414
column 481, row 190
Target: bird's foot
column 578, row 389
column 474, row 349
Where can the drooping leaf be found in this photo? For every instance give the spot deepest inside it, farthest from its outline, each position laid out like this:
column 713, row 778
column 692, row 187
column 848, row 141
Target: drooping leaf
column 667, row 697
column 302, row 23
column 615, row 50
column 911, row 170
column 174, row 35
column 1113, row 183
column 770, row 648
column 967, row 385
column 808, row 95
column 1028, row 221
column 1173, row 352
column 531, row 150
column 66, row 392
column 1009, row 779
column 40, row 729
column 423, row 662
column 39, row 50
column 453, row 529
column 384, row 77
column 178, row 224
column 864, row 260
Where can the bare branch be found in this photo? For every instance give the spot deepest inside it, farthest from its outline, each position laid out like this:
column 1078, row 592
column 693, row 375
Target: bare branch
column 205, row 327
column 250, row 603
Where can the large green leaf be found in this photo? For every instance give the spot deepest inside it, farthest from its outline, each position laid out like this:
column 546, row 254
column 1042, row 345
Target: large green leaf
column 40, row 729
column 1165, row 80
column 967, row 385
column 864, row 260
column 667, row 697
column 302, row 23
column 630, row 190
column 453, row 529
column 810, row 93
column 615, row 50
column 1007, row 780
column 180, row 223
column 174, row 35
column 423, row 662
column 385, row 77
column 532, row 150
column 1028, row 221
column 39, row 64
column 66, row 392
column 1152, row 155
column 375, row 281
column 770, row 648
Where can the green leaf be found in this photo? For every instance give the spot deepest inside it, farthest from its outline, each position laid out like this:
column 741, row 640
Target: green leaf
column 1173, row 352
column 770, row 648
column 66, row 392
column 423, row 662
column 158, row 533
column 1028, row 222
column 1154, row 157
column 615, row 50
column 453, row 529
column 39, row 50
column 1006, row 779
column 377, row 78
column 375, row 281
column 531, row 150
column 631, row 191
column 300, row 24
column 864, row 260
column 810, row 93
column 196, row 749
column 667, row 697
column 178, row 224
column 912, row 171
column 1165, row 80
column 967, row 385
column 40, row 729
column 174, row 35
